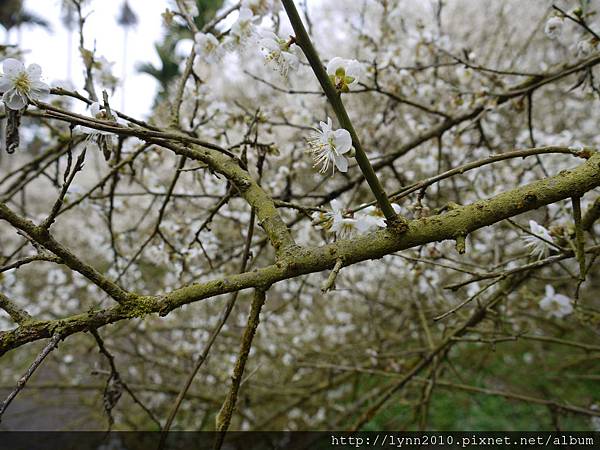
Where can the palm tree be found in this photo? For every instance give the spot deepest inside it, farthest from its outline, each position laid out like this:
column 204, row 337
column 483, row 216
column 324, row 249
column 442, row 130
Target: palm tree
column 12, row 15
column 127, row 19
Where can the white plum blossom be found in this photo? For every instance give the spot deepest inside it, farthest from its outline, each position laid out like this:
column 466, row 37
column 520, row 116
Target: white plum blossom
column 277, row 50
column 344, row 223
column 371, row 218
column 206, row 46
column 554, row 27
column 330, row 146
column 344, row 73
column 340, row 224
column 540, row 242
column 243, row 28
column 336, row 220
column 324, row 220
column 557, row 305
column 344, row 227
column 19, row 85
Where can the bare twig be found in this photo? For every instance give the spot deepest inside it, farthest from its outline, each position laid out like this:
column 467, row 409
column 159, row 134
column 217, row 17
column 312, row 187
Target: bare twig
column 23, row 380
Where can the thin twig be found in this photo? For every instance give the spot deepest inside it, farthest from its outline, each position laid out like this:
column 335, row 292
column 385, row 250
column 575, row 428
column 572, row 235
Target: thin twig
column 23, row 380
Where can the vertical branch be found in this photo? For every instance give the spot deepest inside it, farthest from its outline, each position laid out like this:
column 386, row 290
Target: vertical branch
column 591, row 215
column 86, row 55
column 579, row 239
column 224, row 417
column 189, row 64
column 334, row 97
column 217, row 330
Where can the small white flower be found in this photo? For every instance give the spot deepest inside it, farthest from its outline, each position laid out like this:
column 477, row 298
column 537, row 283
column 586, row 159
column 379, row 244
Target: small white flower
column 557, row 305
column 343, row 224
column 243, row 28
column 207, row 47
column 20, row 85
column 277, row 50
column 554, row 27
column 540, row 243
column 371, row 218
column 336, row 221
column 329, row 146
column 344, row 73
column 340, row 225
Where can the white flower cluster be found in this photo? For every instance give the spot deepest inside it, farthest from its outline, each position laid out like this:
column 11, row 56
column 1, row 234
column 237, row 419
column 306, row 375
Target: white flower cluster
column 276, row 50
column 210, row 49
column 583, row 48
column 345, row 224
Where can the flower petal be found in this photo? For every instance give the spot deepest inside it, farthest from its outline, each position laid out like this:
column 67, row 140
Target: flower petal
column 5, row 83
column 343, row 141
column 12, row 66
column 34, row 71
column 95, row 109
column 341, row 163
column 269, row 44
column 334, row 64
column 14, row 100
column 336, row 205
column 292, row 60
column 39, row 90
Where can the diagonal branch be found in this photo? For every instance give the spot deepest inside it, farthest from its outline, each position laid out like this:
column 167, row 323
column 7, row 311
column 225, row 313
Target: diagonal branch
column 304, row 42
column 25, row 378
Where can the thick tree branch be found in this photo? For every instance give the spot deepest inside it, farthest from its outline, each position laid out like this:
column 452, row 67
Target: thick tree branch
column 462, row 220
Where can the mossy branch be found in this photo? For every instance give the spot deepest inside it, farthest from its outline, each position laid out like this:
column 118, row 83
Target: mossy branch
column 464, row 219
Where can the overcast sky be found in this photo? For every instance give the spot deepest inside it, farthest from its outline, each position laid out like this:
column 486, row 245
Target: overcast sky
column 50, row 48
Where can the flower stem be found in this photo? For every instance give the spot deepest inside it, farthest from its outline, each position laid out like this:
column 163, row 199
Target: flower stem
column 303, row 41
